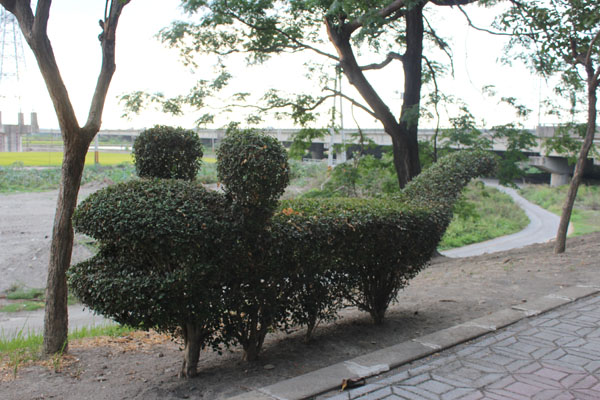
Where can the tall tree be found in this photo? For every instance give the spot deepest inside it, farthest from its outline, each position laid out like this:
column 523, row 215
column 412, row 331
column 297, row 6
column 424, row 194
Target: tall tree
column 76, row 140
column 562, row 37
column 266, row 27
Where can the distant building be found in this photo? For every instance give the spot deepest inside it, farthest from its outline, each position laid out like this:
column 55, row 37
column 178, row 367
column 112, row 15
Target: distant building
column 11, row 136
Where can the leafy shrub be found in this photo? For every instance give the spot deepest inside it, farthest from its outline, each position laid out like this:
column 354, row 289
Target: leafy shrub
column 440, row 185
column 223, row 268
column 157, row 264
column 167, row 152
column 373, row 245
column 254, row 169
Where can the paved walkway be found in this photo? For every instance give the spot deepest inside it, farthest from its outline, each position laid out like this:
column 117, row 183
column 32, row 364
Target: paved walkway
column 552, row 356
column 542, row 227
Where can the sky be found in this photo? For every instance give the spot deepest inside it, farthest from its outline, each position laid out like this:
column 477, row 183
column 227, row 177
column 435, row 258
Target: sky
column 143, row 63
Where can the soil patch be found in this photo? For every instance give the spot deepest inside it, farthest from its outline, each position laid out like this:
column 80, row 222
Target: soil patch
column 448, row 292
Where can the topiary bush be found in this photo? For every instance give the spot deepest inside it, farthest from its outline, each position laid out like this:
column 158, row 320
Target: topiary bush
column 371, row 246
column 159, row 258
column 254, row 170
column 227, row 268
column 167, row 152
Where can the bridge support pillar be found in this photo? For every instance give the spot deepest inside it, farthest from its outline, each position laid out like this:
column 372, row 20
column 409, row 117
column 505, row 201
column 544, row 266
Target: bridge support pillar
column 559, row 179
column 558, row 167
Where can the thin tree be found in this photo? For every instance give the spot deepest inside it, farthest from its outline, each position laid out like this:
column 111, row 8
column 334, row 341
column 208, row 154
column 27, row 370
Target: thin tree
column 562, row 37
column 76, row 140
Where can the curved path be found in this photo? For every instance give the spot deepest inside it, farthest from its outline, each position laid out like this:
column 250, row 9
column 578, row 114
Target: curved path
column 542, row 228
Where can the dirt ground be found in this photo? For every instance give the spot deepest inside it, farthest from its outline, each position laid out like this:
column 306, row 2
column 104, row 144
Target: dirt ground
column 448, row 292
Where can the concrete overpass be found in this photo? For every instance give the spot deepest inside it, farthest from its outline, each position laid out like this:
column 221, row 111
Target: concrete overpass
column 553, row 163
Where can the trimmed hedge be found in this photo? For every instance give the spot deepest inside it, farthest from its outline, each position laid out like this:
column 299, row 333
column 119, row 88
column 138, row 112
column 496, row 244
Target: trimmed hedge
column 167, row 152
column 254, row 169
column 226, row 268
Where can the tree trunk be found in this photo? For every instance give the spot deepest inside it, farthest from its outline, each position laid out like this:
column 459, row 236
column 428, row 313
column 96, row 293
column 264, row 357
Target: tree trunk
column 192, row 339
column 55, row 319
column 409, row 116
column 565, row 217
column 404, row 159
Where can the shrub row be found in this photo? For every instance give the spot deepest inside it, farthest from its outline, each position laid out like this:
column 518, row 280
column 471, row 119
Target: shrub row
column 226, row 268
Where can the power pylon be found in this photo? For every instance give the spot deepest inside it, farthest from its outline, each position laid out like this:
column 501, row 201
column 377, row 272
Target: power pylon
column 12, row 58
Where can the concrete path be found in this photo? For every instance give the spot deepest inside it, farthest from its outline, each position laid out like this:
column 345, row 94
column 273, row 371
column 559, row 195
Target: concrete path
column 542, row 228
column 546, row 348
column 551, row 356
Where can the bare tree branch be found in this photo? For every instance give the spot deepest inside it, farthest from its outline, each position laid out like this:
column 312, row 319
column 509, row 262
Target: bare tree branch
column 351, row 100
column 441, row 44
column 42, row 13
column 482, row 29
column 391, row 56
column 452, row 3
column 588, row 56
column 107, row 70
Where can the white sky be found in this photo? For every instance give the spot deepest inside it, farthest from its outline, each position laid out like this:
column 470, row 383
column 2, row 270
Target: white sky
column 145, row 64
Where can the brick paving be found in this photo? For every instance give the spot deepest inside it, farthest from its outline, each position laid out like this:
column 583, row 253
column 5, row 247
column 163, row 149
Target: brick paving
column 555, row 355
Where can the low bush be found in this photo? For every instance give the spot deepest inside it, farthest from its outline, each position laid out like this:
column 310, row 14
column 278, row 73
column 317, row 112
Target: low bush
column 167, row 152
column 226, row 268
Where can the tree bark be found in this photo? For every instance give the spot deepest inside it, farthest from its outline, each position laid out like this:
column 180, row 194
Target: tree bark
column 406, row 150
column 76, row 142
column 409, row 116
column 192, row 338
column 565, row 217
column 56, row 313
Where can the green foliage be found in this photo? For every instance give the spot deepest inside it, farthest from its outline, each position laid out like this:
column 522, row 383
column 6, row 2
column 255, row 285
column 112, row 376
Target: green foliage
column 254, row 169
column 18, row 179
column 302, row 141
column 464, row 133
column 567, row 141
column 167, row 152
column 517, row 141
column 586, row 211
column 374, row 245
column 365, row 176
column 489, row 214
column 173, row 254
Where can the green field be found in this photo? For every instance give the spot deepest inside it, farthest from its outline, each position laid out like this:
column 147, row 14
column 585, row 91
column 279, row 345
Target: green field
column 54, row 158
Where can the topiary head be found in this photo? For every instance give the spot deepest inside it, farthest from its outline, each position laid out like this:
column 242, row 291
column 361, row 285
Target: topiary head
column 253, row 167
column 167, row 152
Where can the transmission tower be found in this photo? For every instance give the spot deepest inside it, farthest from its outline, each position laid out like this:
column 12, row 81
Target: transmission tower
column 12, row 59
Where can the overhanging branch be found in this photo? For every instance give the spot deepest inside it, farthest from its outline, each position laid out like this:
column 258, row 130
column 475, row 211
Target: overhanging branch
column 588, row 56
column 385, row 12
column 284, row 34
column 482, row 29
column 390, row 57
column 351, row 100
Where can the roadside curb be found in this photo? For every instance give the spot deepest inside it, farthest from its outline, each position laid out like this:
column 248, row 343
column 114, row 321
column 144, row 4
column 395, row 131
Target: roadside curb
column 330, row 378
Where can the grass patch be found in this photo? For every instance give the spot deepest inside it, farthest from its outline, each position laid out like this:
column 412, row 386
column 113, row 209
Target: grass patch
column 586, row 210
column 23, row 348
column 16, row 178
column 16, row 293
column 54, row 158
column 22, row 306
column 488, row 214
